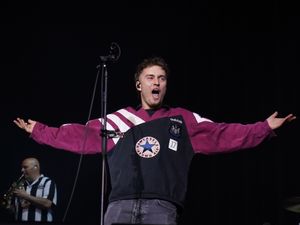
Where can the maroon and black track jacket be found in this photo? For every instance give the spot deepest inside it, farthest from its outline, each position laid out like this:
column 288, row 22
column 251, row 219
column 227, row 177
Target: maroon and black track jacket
column 152, row 158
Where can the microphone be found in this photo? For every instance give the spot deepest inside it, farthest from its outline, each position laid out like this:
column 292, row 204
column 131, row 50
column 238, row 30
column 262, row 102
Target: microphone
column 114, row 53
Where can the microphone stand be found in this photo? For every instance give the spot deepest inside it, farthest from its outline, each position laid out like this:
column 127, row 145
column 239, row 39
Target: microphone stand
column 113, row 56
column 103, row 135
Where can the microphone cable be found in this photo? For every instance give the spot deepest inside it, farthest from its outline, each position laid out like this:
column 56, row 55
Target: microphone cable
column 113, row 56
column 82, row 148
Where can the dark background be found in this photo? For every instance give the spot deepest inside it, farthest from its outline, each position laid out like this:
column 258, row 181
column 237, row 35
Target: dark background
column 230, row 62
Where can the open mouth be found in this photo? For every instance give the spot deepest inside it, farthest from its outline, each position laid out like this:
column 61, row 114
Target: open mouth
column 155, row 93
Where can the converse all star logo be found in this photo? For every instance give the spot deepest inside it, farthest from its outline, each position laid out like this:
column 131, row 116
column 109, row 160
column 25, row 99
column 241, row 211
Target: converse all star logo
column 147, row 147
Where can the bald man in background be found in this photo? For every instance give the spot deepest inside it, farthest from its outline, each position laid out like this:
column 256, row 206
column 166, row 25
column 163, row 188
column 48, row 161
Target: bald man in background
column 36, row 200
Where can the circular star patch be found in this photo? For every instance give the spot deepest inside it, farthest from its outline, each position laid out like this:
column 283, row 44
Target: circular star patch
column 147, row 147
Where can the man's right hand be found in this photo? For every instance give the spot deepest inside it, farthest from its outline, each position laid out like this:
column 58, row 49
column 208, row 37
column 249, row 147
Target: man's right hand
column 27, row 126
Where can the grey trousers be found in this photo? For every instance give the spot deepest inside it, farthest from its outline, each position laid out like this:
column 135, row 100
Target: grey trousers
column 141, row 211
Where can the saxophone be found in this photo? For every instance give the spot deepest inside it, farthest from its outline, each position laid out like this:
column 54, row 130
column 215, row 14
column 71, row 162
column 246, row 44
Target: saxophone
column 6, row 200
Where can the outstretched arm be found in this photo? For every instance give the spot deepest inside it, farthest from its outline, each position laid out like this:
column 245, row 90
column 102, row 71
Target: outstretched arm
column 276, row 122
column 27, row 126
column 74, row 137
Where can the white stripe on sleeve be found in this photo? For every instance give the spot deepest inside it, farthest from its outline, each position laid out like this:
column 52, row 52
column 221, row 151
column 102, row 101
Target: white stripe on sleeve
column 200, row 119
column 131, row 117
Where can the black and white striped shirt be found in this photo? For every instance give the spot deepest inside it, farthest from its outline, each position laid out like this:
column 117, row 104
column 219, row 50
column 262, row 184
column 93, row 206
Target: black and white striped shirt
column 42, row 187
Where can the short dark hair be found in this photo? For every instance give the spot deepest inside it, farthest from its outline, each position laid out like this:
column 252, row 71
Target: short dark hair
column 151, row 61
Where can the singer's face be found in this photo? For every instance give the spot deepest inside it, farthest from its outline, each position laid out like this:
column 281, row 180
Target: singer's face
column 152, row 85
